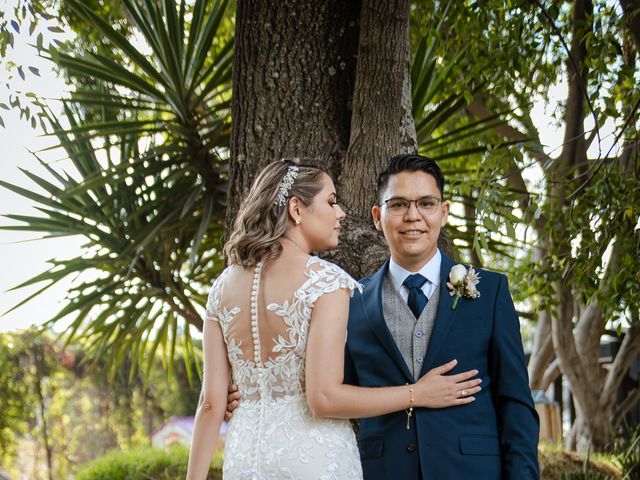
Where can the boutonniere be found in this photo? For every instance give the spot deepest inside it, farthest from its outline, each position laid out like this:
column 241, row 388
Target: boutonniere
column 462, row 283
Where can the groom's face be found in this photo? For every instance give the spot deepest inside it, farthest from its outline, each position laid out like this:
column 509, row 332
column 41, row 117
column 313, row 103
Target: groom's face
column 412, row 236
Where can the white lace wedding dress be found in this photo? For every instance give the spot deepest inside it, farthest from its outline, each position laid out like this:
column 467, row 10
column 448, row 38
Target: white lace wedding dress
column 272, row 434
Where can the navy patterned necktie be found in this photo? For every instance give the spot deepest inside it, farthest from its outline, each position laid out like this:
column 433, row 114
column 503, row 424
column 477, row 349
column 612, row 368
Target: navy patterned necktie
column 417, row 298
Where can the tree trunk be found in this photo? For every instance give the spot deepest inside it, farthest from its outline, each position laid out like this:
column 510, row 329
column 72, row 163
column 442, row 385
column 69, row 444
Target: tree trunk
column 592, row 434
column 293, row 75
column 541, row 352
column 37, row 358
column 577, row 352
column 327, row 82
column 631, row 9
column 381, row 127
column 381, row 123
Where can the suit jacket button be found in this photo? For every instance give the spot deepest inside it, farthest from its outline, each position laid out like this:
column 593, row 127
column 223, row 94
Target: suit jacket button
column 411, row 447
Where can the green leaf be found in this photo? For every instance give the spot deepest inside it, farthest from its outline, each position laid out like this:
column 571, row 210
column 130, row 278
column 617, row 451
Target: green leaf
column 145, row 134
column 118, row 40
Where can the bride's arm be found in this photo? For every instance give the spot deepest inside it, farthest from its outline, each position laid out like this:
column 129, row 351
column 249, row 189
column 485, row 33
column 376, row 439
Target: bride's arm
column 213, row 401
column 327, row 396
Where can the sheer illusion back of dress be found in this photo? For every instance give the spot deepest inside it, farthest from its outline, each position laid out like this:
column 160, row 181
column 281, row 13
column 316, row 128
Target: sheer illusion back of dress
column 264, row 315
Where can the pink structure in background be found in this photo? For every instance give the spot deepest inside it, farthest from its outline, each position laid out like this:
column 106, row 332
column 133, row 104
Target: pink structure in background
column 178, row 430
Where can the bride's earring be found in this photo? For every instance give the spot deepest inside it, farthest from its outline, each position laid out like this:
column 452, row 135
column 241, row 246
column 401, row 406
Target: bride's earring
column 298, row 221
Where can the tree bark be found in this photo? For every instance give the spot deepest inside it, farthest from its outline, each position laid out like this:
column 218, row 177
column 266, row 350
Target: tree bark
column 381, row 121
column 574, row 152
column 38, row 359
column 588, row 331
column 381, row 127
column 327, row 82
column 629, row 350
column 541, row 352
column 550, row 375
column 631, row 10
column 632, row 399
column 293, row 75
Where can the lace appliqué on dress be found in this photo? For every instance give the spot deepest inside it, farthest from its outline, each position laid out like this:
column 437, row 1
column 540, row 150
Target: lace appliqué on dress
column 273, row 434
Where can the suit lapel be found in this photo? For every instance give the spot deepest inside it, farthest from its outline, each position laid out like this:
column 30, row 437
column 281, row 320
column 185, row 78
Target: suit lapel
column 372, row 298
column 444, row 317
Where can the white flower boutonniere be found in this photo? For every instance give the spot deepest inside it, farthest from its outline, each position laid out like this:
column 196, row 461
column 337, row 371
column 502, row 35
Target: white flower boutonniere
column 462, row 283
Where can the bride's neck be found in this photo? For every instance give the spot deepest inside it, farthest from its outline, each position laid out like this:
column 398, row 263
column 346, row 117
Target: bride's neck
column 292, row 245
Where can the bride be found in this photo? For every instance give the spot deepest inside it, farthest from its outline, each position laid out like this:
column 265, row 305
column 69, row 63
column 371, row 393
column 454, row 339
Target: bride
column 276, row 324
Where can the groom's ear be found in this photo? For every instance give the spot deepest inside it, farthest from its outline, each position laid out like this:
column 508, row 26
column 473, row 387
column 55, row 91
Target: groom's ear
column 376, row 213
column 445, row 213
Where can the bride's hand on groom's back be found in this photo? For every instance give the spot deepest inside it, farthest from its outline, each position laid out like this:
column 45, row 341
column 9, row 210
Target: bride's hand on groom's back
column 437, row 390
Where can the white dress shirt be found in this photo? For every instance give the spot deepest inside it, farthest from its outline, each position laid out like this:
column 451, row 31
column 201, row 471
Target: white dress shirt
column 430, row 270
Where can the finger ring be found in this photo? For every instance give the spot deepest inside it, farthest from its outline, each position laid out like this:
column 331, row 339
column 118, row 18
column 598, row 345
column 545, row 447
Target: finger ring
column 463, row 393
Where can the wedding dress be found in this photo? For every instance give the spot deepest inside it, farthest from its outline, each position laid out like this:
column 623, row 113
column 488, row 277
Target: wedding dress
column 273, row 434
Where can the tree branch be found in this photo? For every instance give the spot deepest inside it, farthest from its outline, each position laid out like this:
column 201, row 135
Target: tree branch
column 628, row 350
column 470, row 222
column 631, row 16
column 632, row 398
column 588, row 331
column 480, row 110
column 189, row 314
column 574, row 152
column 551, row 373
column 514, row 175
column 541, row 353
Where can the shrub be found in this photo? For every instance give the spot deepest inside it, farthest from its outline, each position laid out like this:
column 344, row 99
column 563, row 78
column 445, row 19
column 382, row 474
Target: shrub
column 143, row 464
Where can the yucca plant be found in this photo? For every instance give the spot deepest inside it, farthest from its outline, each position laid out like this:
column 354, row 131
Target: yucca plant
column 148, row 144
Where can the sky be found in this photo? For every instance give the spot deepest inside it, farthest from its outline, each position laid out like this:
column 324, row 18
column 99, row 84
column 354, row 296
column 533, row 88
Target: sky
column 22, row 257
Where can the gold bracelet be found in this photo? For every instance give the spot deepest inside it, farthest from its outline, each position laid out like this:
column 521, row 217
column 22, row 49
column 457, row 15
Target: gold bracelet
column 410, row 409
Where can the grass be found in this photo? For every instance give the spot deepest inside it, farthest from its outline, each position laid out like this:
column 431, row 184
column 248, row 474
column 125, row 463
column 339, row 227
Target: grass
column 151, row 463
column 558, row 464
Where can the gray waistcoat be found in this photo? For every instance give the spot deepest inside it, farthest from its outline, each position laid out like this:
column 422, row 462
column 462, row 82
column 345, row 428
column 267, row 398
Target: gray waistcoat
column 411, row 336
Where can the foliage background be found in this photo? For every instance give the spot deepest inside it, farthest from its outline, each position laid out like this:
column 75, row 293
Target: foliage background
column 145, row 126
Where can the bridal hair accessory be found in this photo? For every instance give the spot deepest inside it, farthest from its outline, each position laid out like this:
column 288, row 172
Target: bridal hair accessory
column 462, row 284
column 285, row 186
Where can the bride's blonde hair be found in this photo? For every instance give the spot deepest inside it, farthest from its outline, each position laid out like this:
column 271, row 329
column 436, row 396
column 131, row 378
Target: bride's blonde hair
column 262, row 220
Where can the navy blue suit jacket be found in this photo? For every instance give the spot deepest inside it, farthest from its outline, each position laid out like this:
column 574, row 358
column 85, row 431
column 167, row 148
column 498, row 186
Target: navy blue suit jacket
column 494, row 437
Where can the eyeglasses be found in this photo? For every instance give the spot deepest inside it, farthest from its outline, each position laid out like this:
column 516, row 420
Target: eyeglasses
column 400, row 206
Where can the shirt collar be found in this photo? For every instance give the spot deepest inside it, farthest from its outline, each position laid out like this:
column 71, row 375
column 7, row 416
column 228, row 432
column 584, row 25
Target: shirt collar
column 430, row 270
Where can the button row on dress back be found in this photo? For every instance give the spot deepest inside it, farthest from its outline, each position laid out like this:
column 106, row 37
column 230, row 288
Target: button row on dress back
column 254, row 314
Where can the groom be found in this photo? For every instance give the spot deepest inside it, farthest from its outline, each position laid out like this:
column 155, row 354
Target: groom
column 404, row 323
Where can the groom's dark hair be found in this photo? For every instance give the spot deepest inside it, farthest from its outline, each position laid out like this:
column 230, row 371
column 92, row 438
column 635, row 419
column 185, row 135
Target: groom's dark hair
column 409, row 163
